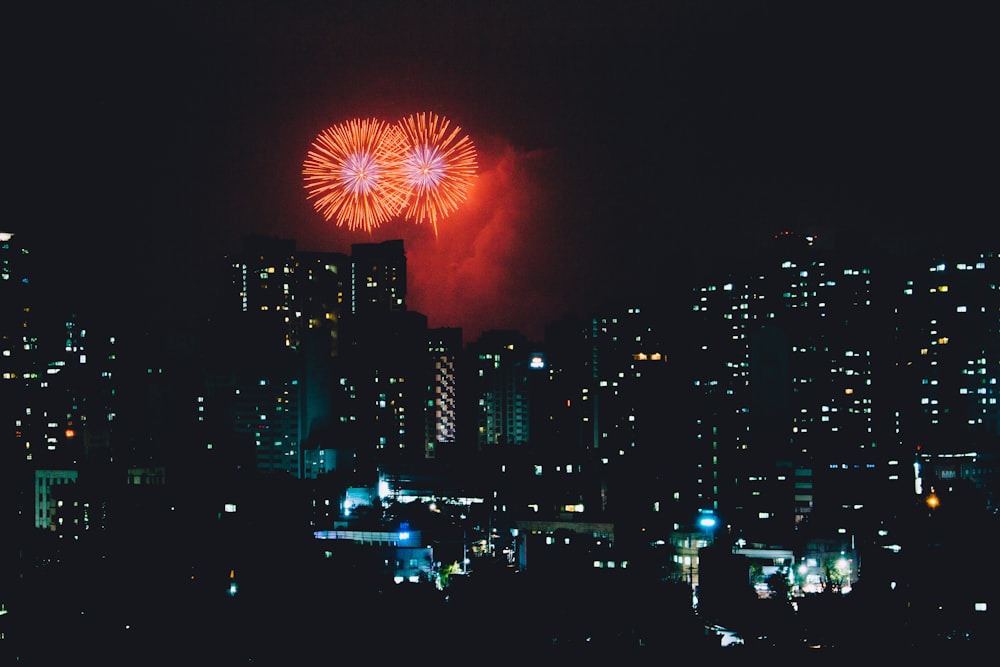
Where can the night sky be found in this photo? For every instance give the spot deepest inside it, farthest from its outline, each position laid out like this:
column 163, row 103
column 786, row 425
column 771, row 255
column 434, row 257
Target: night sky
column 616, row 141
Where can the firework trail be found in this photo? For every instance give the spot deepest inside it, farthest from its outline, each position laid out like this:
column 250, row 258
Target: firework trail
column 352, row 173
column 437, row 166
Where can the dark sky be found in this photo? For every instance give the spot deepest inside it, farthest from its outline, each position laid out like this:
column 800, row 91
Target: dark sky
column 617, row 141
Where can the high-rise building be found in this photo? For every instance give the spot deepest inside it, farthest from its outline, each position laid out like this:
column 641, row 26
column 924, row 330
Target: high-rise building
column 18, row 330
column 280, row 340
column 323, row 356
column 267, row 413
column 263, row 275
column 445, row 347
column 829, row 382
column 947, row 334
column 59, row 378
column 498, row 368
column 613, row 408
column 380, row 379
column 378, row 277
column 792, row 378
column 386, row 372
column 283, row 294
column 59, row 404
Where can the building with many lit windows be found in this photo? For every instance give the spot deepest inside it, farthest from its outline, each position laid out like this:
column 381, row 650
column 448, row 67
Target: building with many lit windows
column 793, row 381
column 281, row 341
column 947, row 321
column 267, row 413
column 445, row 346
column 821, row 373
column 378, row 277
column 284, row 293
column 59, row 378
column 386, row 372
column 498, row 369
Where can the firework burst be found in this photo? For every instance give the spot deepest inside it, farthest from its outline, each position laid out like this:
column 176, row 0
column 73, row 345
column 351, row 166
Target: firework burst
column 438, row 167
column 352, row 173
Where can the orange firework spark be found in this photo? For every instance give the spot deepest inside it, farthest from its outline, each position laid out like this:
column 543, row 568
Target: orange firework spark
column 352, row 173
column 437, row 166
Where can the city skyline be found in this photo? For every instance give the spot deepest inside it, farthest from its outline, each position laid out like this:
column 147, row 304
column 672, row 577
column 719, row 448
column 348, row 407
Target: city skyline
column 867, row 395
column 616, row 141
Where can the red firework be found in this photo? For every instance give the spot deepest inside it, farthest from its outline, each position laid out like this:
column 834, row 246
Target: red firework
column 438, row 167
column 352, row 173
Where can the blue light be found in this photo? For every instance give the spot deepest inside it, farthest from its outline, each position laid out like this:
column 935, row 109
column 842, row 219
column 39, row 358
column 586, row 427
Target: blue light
column 707, row 519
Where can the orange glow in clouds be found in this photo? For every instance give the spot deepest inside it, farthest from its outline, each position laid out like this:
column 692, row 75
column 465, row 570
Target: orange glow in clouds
column 511, row 255
column 507, row 260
